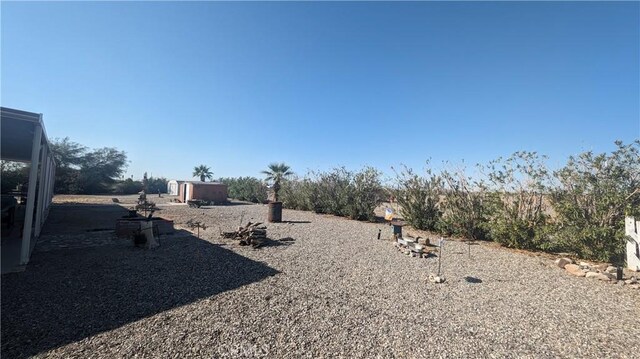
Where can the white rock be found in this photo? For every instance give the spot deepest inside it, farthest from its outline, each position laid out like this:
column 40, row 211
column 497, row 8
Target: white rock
column 423, row 241
column 436, row 279
column 611, row 269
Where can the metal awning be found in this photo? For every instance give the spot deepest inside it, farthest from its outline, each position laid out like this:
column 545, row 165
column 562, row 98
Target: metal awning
column 24, row 139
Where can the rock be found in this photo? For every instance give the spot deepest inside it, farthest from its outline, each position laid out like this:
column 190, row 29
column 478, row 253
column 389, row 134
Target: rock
column 602, row 267
column 633, row 280
column 561, row 262
column 611, row 276
column 611, row 269
column 435, row 279
column 596, row 275
column 585, row 264
column 423, row 241
column 574, row 269
column 635, row 286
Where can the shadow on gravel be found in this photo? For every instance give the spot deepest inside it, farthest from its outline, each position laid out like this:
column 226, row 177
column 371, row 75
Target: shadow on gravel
column 472, row 280
column 66, row 295
column 296, row 222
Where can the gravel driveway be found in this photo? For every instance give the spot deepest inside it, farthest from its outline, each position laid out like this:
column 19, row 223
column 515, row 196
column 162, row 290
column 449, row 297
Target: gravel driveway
column 335, row 291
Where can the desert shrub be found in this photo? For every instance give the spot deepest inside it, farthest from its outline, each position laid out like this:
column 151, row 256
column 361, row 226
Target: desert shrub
column 300, row 194
column 590, row 200
column 248, row 189
column 465, row 207
column 418, row 197
column 339, row 192
column 365, row 194
column 334, row 191
column 518, row 210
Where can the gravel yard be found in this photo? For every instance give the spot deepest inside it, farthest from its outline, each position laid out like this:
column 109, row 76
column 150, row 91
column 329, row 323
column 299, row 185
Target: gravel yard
column 334, row 291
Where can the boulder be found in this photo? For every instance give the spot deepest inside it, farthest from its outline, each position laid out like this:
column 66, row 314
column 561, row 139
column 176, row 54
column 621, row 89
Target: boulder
column 423, row 241
column 574, row 269
column 561, row 262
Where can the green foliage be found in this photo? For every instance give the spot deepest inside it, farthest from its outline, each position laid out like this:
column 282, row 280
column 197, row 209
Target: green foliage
column 157, row 184
column 13, row 174
column 248, row 189
column 100, row 169
column 79, row 170
column 301, row 194
column 590, row 200
column 339, row 192
column 203, row 172
column 418, row 198
column 276, row 173
column 465, row 209
column 518, row 210
column 128, row 186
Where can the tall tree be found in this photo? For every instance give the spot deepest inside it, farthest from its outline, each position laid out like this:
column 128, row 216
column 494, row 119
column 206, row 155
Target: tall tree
column 100, row 169
column 275, row 173
column 203, row 172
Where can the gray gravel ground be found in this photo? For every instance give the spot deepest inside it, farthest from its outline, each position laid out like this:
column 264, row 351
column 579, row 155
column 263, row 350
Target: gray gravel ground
column 335, row 291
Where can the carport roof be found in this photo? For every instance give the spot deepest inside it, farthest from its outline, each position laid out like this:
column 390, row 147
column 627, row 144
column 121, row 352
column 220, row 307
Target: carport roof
column 16, row 133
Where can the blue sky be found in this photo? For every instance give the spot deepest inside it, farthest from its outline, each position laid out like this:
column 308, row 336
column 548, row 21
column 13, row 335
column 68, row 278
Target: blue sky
column 236, row 86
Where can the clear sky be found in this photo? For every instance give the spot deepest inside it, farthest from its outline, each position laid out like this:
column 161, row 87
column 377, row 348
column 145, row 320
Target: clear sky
column 236, row 86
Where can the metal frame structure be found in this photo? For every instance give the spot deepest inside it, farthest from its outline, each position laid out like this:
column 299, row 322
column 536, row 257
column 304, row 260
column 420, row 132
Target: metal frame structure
column 24, row 139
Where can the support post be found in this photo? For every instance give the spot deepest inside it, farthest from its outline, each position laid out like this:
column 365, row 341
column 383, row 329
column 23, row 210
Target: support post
column 25, row 250
column 44, row 166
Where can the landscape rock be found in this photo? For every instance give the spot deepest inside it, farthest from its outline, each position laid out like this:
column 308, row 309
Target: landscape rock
column 584, row 264
column 436, row 279
column 423, row 241
column 602, row 267
column 633, row 280
column 561, row 262
column 574, row 269
column 611, row 269
column 596, row 275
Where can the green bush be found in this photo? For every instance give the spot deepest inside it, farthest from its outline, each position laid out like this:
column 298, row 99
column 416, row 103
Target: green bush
column 593, row 193
column 248, row 189
column 419, row 198
column 300, row 194
column 465, row 208
column 518, row 210
column 339, row 192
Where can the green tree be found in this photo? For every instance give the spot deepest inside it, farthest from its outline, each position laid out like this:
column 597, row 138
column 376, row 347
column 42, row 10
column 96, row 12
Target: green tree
column 203, row 172
column 69, row 156
column 275, row 173
column 100, row 170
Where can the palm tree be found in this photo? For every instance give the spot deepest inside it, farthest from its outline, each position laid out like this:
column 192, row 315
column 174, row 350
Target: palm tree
column 276, row 173
column 203, row 172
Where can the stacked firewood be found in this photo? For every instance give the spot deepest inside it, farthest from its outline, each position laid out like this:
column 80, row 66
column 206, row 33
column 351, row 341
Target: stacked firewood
column 253, row 234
